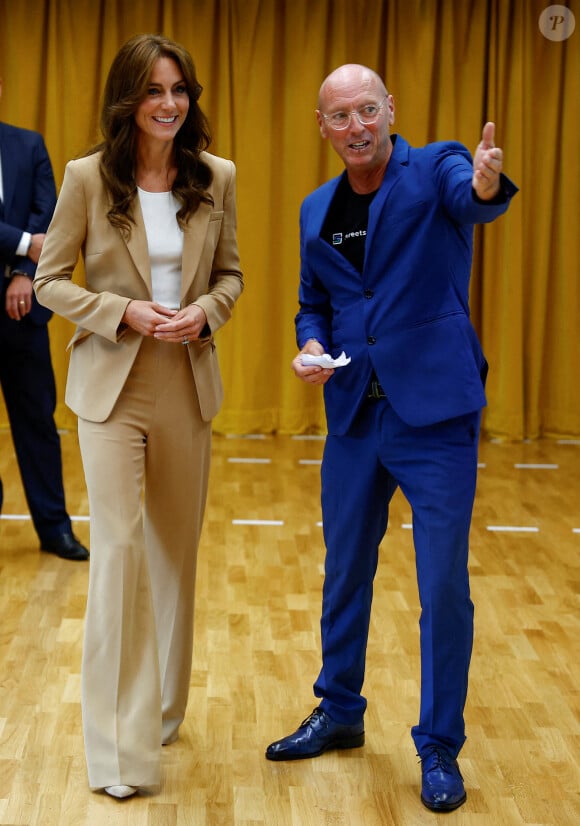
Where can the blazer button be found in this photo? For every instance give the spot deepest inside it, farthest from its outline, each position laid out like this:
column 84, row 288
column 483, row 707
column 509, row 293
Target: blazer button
column 368, row 293
column 371, row 340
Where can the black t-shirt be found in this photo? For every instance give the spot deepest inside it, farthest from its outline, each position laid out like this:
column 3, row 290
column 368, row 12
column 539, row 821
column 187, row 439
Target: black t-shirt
column 345, row 225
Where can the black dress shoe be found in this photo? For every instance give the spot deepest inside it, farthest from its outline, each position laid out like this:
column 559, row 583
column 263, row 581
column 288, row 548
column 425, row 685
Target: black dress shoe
column 66, row 546
column 442, row 789
column 315, row 735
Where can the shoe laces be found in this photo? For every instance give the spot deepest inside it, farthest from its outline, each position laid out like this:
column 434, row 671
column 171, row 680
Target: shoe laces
column 312, row 717
column 439, row 759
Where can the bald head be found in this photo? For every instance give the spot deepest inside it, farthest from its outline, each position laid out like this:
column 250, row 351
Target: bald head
column 355, row 113
column 352, row 78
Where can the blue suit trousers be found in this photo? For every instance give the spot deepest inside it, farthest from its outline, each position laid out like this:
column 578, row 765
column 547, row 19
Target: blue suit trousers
column 436, row 468
column 27, row 382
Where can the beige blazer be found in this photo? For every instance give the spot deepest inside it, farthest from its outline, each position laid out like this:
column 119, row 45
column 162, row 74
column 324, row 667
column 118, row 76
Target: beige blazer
column 117, row 269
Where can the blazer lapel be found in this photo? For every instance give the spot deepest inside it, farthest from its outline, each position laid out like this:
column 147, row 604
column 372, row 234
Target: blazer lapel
column 324, row 199
column 137, row 244
column 398, row 160
column 194, row 237
column 315, row 223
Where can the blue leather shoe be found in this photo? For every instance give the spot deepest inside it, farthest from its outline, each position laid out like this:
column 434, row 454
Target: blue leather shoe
column 442, row 789
column 315, row 735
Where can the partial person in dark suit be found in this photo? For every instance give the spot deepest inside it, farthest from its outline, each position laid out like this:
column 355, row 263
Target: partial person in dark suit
column 27, row 201
column 386, row 251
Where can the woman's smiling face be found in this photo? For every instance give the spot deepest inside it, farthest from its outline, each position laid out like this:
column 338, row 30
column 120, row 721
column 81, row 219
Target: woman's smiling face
column 162, row 112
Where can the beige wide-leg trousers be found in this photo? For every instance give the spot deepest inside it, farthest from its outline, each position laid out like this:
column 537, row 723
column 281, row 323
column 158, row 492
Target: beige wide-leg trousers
column 146, row 471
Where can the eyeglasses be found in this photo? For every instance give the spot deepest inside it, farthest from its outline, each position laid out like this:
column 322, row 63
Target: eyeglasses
column 366, row 115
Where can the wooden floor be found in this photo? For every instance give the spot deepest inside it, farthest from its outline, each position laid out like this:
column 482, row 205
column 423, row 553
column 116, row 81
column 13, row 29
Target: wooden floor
column 257, row 654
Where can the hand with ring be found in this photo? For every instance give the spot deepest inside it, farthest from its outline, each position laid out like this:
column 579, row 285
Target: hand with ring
column 19, row 297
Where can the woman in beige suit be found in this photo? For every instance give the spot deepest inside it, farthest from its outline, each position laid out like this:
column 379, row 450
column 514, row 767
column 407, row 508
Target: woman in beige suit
column 154, row 216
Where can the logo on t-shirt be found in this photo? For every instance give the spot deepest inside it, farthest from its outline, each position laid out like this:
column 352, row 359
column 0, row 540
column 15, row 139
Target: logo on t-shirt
column 337, row 238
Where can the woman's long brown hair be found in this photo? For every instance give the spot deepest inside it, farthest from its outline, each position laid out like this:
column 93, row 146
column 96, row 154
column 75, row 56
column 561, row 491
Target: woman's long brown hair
column 126, row 86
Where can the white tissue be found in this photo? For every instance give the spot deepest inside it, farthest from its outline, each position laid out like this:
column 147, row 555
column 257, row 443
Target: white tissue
column 325, row 360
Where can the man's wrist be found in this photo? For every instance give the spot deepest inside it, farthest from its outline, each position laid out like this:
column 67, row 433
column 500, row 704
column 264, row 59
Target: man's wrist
column 24, row 246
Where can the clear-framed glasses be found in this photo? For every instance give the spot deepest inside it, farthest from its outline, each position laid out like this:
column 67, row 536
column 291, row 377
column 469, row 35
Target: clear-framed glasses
column 366, row 115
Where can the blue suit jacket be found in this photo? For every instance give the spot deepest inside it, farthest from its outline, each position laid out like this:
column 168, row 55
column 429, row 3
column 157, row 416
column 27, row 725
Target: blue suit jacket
column 407, row 318
column 28, row 202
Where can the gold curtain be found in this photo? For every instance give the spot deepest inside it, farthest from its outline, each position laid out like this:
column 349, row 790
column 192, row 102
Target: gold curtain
column 450, row 64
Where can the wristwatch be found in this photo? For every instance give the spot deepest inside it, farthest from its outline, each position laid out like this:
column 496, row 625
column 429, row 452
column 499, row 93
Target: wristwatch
column 19, row 272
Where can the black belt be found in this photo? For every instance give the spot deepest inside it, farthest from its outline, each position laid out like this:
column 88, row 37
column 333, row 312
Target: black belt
column 376, row 391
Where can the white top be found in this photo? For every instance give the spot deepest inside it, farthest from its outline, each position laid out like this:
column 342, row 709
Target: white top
column 165, row 242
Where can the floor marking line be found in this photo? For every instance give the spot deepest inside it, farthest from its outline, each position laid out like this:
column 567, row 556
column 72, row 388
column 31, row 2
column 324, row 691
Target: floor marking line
column 25, row 517
column 533, row 466
column 239, row 460
column 513, row 528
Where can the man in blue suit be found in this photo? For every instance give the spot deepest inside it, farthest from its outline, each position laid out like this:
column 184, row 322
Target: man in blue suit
column 27, row 200
column 386, row 251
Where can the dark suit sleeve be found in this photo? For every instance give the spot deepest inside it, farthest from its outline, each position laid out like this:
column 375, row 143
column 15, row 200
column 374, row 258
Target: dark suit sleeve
column 44, row 190
column 314, row 317
column 9, row 239
column 33, row 200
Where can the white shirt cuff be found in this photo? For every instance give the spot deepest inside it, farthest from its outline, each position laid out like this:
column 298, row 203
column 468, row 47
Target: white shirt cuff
column 24, row 244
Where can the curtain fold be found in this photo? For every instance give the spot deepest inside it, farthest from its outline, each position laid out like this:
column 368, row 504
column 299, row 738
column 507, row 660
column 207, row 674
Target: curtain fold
column 450, row 64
